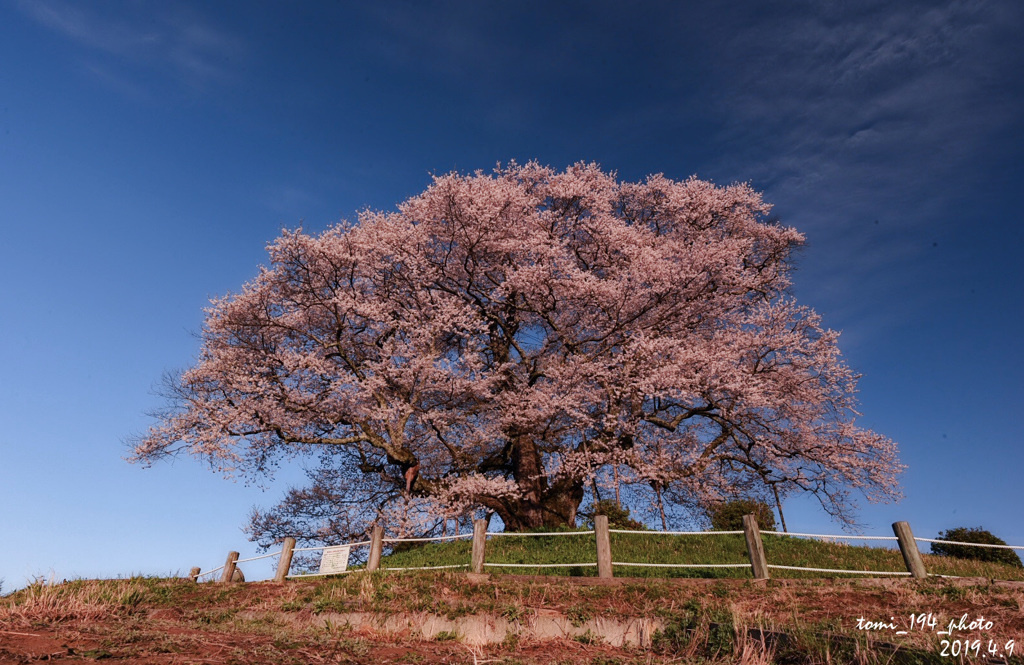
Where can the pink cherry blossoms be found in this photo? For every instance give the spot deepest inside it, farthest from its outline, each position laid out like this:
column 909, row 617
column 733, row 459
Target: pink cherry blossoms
column 504, row 340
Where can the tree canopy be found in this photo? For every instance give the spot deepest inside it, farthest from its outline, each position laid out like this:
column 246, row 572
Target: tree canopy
column 504, row 339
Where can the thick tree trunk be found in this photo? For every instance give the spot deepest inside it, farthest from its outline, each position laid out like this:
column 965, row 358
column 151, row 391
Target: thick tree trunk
column 556, row 508
column 542, row 505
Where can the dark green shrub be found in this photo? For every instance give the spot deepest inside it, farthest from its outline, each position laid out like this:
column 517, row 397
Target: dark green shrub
column 618, row 517
column 975, row 535
column 728, row 516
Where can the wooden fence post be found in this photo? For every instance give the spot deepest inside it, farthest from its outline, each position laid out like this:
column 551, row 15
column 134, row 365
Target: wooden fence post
column 755, row 547
column 376, row 546
column 479, row 545
column 908, row 547
column 229, row 568
column 284, row 564
column 194, row 573
column 604, row 546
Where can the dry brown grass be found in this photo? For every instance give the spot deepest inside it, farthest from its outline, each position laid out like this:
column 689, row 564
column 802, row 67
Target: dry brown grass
column 86, row 600
column 716, row 621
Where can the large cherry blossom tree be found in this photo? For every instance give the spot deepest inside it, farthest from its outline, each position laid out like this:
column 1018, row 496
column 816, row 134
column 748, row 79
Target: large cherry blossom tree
column 504, row 339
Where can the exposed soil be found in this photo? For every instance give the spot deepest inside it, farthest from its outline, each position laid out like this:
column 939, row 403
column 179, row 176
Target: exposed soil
column 265, row 623
column 160, row 643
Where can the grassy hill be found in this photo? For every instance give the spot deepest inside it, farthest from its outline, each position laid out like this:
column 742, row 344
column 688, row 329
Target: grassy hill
column 453, row 617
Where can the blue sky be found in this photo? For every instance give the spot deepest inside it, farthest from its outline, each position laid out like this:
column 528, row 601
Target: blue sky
column 150, row 151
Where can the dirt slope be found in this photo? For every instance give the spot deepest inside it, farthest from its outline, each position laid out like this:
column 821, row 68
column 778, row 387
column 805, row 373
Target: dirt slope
column 453, row 618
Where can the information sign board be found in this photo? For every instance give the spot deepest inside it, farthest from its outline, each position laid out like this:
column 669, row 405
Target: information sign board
column 334, row 560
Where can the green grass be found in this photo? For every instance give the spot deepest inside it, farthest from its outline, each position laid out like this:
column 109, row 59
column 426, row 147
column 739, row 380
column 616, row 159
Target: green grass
column 654, row 548
column 808, row 553
column 944, row 565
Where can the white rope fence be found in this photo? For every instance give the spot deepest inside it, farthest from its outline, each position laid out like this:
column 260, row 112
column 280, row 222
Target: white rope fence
column 344, row 572
column 431, row 539
column 833, row 570
column 530, row 534
column 679, row 533
column 825, row 536
column 360, row 570
column 635, row 564
column 457, row 565
column 210, row 572
column 955, row 542
column 822, row 536
column 681, row 565
column 755, row 550
column 257, row 558
column 426, row 540
column 317, row 548
column 453, row 537
column 542, row 565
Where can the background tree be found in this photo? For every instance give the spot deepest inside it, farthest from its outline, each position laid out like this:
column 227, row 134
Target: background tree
column 618, row 516
column 503, row 339
column 728, row 515
column 975, row 535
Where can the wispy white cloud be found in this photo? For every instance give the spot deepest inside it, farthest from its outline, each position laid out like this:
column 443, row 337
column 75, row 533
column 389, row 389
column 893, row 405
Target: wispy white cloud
column 885, row 111
column 88, row 29
column 140, row 38
column 897, row 90
column 116, row 81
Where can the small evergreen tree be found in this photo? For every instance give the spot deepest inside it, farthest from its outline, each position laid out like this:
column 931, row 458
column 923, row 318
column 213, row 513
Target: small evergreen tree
column 728, row 516
column 975, row 535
